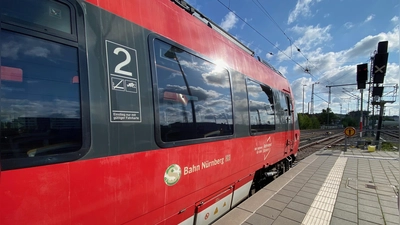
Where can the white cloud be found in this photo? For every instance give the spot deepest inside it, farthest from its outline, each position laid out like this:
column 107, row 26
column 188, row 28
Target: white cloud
column 395, row 19
column 367, row 45
column 332, row 68
column 348, row 25
column 369, row 18
column 310, row 39
column 302, row 9
column 229, row 21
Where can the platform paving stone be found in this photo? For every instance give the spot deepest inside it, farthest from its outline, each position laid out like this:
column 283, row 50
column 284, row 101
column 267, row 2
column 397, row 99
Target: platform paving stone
column 390, row 223
column 371, row 217
column 347, row 195
column 291, row 187
column 346, row 201
column 392, row 198
column 306, row 194
column 287, row 193
column 339, row 221
column 282, row 198
column 344, row 189
column 388, row 210
column 368, row 196
column 346, row 207
column 268, row 212
column 392, row 218
column 368, row 203
column 296, row 184
column 364, row 222
column 388, row 204
column 284, row 221
column 293, row 215
column 313, row 186
column 369, row 209
column 350, row 216
column 311, row 189
column 298, row 207
column 275, row 204
column 303, row 200
column 363, row 194
column 257, row 219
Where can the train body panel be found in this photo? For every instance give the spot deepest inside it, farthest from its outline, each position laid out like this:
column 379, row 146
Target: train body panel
column 130, row 169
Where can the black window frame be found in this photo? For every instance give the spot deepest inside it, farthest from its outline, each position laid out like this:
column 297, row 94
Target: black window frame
column 249, row 113
column 75, row 39
column 151, row 38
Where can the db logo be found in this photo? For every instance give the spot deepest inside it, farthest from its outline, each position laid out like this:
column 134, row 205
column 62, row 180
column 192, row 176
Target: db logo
column 206, row 216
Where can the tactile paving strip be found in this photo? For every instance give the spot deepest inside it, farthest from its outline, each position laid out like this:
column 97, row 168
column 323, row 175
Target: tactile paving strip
column 321, row 209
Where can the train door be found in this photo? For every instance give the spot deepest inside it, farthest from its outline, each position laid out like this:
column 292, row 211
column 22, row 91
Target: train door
column 290, row 122
column 286, row 121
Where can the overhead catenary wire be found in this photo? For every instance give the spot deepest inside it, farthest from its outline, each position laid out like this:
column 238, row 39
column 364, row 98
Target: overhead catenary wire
column 306, row 68
column 265, row 38
column 265, row 11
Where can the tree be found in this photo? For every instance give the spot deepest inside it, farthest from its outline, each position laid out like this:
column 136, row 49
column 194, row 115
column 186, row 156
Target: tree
column 304, row 121
column 349, row 121
column 315, row 123
column 308, row 122
column 325, row 115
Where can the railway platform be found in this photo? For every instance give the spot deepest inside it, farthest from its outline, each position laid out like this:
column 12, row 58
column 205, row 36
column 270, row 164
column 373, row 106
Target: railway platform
column 329, row 187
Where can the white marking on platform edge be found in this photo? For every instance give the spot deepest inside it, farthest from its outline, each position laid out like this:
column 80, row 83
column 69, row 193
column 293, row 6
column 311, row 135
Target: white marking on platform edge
column 321, row 209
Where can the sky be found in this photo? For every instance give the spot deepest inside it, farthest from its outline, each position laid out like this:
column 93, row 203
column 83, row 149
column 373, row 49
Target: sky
column 318, row 42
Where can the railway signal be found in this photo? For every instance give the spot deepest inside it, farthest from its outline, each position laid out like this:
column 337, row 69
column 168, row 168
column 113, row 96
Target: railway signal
column 362, row 75
column 379, row 68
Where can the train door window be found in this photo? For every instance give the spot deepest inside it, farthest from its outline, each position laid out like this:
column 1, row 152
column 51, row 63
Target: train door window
column 282, row 108
column 194, row 95
column 47, row 14
column 288, row 106
column 40, row 89
column 261, row 107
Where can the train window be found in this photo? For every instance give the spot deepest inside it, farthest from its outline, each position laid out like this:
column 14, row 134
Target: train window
column 288, row 105
column 261, row 107
column 40, row 97
column 283, row 108
column 194, row 95
column 46, row 13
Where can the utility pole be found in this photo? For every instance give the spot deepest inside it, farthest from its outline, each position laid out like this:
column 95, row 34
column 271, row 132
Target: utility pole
column 329, row 101
column 371, row 77
column 312, row 97
column 303, row 97
column 361, row 112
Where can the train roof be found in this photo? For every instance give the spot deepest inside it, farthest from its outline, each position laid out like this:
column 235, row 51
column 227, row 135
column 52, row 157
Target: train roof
column 179, row 21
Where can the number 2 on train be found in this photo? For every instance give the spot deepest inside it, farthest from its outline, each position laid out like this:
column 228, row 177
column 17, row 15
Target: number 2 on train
column 118, row 67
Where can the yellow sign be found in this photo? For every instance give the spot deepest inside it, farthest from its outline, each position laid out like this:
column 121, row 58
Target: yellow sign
column 216, row 211
column 350, row 131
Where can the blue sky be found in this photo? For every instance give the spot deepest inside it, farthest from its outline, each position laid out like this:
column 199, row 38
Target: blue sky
column 333, row 36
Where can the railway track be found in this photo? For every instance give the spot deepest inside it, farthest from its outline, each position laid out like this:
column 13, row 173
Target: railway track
column 393, row 134
column 309, row 148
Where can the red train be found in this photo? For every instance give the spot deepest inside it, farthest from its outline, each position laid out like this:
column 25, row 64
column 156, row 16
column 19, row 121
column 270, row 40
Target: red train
column 133, row 112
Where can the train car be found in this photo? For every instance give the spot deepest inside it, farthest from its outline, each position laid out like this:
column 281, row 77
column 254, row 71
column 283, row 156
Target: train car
column 133, row 112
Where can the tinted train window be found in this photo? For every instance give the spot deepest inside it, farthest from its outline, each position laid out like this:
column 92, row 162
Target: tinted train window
column 39, row 92
column 194, row 95
column 283, row 108
column 261, row 107
column 46, row 13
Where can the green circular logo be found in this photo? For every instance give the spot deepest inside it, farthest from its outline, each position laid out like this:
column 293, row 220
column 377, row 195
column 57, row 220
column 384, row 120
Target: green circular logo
column 172, row 174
